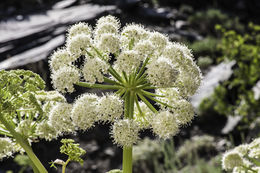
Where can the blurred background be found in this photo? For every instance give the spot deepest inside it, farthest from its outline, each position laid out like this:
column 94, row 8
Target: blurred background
column 225, row 39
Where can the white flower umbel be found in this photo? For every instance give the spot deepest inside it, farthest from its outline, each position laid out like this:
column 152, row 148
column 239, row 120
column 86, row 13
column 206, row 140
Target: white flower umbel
column 64, row 78
column 59, row 59
column 78, row 45
column 45, row 130
column 94, row 70
column 108, row 43
column 60, row 118
column 108, row 19
column 243, row 158
column 110, row 108
column 125, row 132
column 144, row 48
column 165, row 125
column 7, row 147
column 190, row 76
column 25, row 128
column 231, row 160
column 104, row 28
column 162, row 73
column 128, row 61
column 184, row 112
column 131, row 35
column 151, row 76
column 171, row 96
column 143, row 115
column 158, row 40
column 84, row 112
column 79, row 28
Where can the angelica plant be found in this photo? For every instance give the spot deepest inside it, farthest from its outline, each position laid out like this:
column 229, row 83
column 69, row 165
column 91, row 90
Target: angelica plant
column 243, row 158
column 151, row 80
column 72, row 150
column 28, row 113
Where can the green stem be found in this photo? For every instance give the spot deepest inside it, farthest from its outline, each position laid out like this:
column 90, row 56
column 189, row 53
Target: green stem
column 156, row 100
column 142, row 68
column 147, row 103
column 64, row 166
column 127, row 151
column 35, row 169
column 125, row 77
column 115, row 74
column 152, row 94
column 111, row 81
column 143, row 86
column 24, row 144
column 127, row 160
column 100, row 86
column 138, row 106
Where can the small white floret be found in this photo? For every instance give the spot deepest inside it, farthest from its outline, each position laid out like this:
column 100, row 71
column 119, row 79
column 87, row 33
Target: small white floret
column 125, row 132
column 64, row 78
column 79, row 28
column 165, row 125
column 162, row 73
column 60, row 118
column 108, row 43
column 94, row 70
column 59, row 59
column 79, row 44
column 7, row 147
column 84, row 112
column 128, row 61
column 232, row 159
column 110, row 108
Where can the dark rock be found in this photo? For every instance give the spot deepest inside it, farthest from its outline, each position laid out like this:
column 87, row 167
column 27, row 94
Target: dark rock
column 189, row 35
column 161, row 15
column 41, row 33
column 181, row 24
column 64, row 4
column 127, row 4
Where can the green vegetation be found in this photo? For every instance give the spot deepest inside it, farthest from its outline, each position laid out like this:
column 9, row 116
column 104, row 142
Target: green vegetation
column 205, row 21
column 162, row 157
column 238, row 95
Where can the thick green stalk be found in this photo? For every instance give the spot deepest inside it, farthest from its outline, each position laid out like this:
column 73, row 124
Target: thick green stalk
column 24, row 144
column 127, row 151
column 127, row 160
column 99, row 86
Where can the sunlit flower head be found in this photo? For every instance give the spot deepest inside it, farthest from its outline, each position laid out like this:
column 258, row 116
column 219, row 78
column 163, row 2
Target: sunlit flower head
column 60, row 118
column 152, row 79
column 45, row 130
column 94, row 69
column 7, row 147
column 165, row 125
column 79, row 28
column 78, row 45
column 59, row 59
column 84, row 112
column 125, row 132
column 231, row 160
column 64, row 79
column 110, row 108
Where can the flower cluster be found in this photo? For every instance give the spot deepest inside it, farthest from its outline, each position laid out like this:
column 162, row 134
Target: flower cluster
column 142, row 67
column 243, row 158
column 28, row 113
